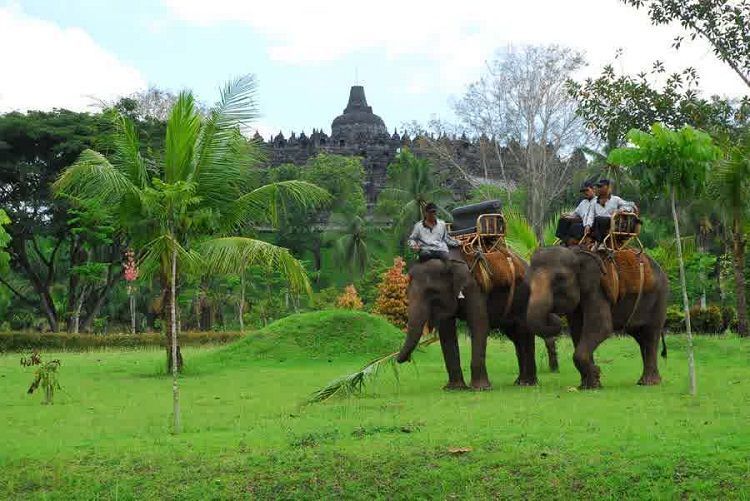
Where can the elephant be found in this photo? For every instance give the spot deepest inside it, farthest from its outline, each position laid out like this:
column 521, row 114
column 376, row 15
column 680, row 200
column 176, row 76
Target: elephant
column 433, row 299
column 567, row 281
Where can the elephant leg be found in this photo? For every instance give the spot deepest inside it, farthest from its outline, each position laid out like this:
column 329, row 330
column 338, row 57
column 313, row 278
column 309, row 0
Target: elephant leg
column 648, row 340
column 451, row 355
column 525, row 352
column 583, row 357
column 551, row 344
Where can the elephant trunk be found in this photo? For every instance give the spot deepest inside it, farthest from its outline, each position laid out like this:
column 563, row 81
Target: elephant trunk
column 415, row 327
column 539, row 314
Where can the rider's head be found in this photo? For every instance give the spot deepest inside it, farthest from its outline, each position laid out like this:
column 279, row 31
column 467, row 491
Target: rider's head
column 587, row 190
column 603, row 187
column 430, row 211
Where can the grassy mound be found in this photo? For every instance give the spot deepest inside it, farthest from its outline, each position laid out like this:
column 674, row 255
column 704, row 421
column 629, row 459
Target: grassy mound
column 316, row 335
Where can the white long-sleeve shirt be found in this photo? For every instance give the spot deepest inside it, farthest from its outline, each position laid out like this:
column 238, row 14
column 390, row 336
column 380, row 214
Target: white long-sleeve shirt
column 432, row 239
column 611, row 206
column 583, row 208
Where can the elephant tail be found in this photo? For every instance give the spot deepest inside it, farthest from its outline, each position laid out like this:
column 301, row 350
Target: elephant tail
column 663, row 346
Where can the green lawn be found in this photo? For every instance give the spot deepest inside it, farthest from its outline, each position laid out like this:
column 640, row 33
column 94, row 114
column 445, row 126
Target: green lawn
column 246, row 437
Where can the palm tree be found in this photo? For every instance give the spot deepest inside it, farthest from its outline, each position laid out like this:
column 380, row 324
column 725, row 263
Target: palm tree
column 675, row 163
column 412, row 184
column 198, row 188
column 730, row 183
column 351, row 243
column 521, row 237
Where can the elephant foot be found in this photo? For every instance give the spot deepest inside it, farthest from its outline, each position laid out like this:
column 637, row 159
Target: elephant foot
column 481, row 385
column 554, row 368
column 525, row 381
column 650, row 380
column 455, row 386
column 591, row 381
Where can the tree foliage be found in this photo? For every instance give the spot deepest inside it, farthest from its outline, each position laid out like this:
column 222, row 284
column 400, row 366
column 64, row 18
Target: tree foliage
column 723, row 24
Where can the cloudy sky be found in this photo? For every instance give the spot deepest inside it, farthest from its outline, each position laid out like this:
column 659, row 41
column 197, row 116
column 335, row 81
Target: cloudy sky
column 412, row 56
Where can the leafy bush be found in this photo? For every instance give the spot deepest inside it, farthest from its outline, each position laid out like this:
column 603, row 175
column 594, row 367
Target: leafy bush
column 349, row 300
column 325, row 299
column 675, row 319
column 24, row 341
column 709, row 320
column 729, row 318
column 392, row 302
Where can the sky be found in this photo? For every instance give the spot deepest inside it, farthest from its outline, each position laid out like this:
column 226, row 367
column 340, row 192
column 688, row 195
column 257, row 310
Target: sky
column 412, row 57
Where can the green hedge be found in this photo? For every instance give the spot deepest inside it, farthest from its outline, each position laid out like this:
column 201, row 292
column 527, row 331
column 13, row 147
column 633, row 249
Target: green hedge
column 24, row 341
column 712, row 320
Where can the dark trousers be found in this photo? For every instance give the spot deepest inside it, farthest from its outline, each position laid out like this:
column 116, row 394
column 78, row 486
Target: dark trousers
column 427, row 255
column 569, row 228
column 601, row 226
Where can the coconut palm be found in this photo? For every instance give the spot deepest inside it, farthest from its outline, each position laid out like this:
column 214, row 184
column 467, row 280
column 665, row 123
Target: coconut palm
column 676, row 164
column 412, row 184
column 196, row 189
column 351, row 243
column 730, row 183
column 521, row 237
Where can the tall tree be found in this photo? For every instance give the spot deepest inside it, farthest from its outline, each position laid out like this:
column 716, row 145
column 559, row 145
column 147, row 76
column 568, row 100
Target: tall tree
column 522, row 100
column 730, row 184
column 675, row 164
column 723, row 24
column 197, row 188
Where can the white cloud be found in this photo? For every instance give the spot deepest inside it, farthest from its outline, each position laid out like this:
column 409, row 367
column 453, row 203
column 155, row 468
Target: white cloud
column 458, row 38
column 46, row 66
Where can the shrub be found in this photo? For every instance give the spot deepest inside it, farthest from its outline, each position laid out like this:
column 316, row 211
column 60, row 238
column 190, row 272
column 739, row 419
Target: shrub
column 728, row 318
column 349, row 300
column 709, row 320
column 26, row 341
column 675, row 319
column 325, row 299
column 391, row 302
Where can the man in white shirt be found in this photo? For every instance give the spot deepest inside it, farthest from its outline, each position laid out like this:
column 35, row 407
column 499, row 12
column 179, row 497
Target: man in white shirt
column 571, row 226
column 430, row 237
column 599, row 217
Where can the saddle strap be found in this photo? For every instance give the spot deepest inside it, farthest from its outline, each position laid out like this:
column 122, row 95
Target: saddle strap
column 641, row 277
column 512, row 292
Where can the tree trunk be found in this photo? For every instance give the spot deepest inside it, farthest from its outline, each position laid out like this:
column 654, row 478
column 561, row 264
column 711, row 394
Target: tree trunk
column 685, row 301
column 77, row 312
column 739, row 275
column 176, row 363
column 168, row 323
column 242, row 301
column 131, row 300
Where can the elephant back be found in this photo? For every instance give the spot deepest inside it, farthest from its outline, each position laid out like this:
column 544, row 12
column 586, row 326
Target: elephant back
column 498, row 269
column 622, row 274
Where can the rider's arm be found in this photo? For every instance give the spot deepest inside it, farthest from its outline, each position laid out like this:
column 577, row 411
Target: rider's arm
column 413, row 240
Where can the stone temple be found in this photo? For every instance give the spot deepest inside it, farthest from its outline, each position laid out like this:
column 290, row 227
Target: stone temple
column 357, row 131
column 360, row 132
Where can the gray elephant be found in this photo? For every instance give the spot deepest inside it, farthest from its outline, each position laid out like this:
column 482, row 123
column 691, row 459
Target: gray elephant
column 432, row 296
column 569, row 282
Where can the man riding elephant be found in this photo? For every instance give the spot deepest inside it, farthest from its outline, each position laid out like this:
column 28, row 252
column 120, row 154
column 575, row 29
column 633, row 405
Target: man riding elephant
column 628, row 293
column 443, row 289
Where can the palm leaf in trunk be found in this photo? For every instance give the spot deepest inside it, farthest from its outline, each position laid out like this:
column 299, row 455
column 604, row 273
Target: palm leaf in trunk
column 354, row 383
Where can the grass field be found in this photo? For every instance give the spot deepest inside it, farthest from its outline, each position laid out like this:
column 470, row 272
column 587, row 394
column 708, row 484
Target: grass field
column 246, row 436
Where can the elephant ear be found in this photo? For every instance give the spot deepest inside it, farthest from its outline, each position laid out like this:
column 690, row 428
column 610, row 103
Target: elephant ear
column 591, row 269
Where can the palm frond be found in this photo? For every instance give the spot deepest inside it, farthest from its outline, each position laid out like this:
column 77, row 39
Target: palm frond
column 221, row 151
column 267, row 203
column 93, row 178
column 548, row 232
column 519, row 234
column 354, row 383
column 183, row 128
column 127, row 155
column 233, row 255
column 157, row 255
